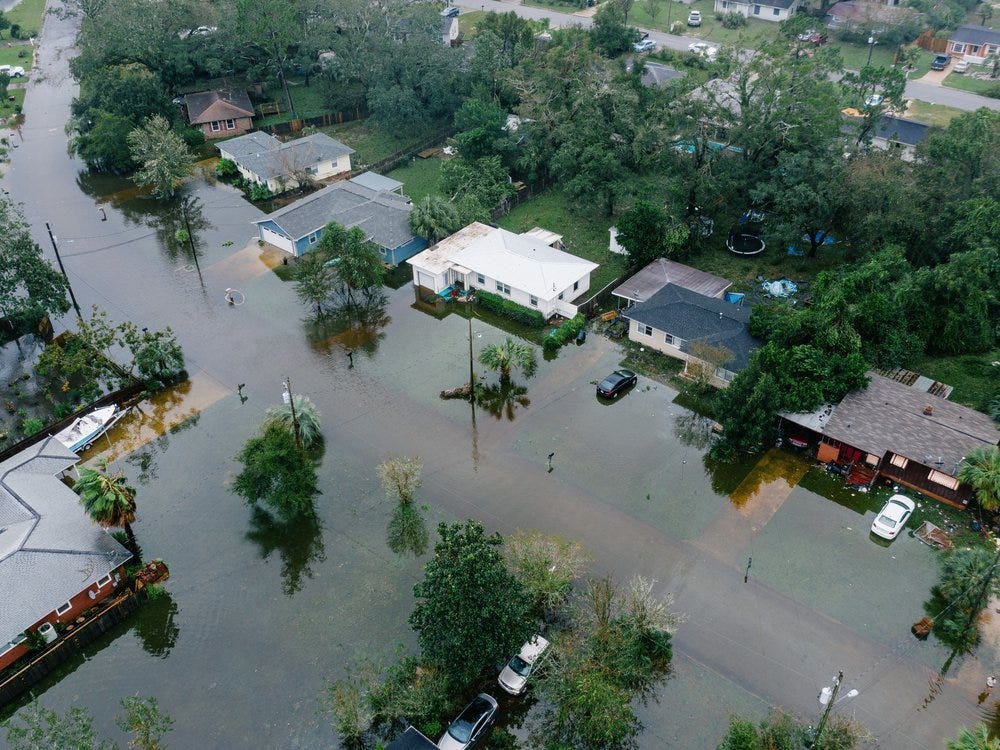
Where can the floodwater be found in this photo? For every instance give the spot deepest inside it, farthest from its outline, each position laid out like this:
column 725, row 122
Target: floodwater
column 258, row 615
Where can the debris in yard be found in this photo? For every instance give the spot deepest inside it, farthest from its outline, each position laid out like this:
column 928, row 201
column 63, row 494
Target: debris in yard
column 922, row 627
column 930, row 534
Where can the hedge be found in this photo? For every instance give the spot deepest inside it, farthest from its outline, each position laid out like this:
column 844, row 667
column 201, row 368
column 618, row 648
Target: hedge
column 502, row 306
column 564, row 333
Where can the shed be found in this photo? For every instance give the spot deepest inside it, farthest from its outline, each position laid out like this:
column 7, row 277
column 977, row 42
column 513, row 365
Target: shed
column 661, row 272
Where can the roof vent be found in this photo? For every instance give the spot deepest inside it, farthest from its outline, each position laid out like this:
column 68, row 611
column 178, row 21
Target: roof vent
column 928, row 410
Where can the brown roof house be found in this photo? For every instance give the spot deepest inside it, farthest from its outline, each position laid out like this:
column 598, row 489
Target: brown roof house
column 900, row 432
column 220, row 113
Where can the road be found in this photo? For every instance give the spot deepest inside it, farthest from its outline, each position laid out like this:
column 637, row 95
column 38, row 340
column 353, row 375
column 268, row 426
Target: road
column 914, row 90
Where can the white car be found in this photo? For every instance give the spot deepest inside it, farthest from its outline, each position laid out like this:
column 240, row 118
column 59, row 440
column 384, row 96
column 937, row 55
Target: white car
column 17, row 71
column 514, row 676
column 471, row 725
column 646, row 45
column 703, row 49
column 893, row 516
column 874, row 100
column 694, row 18
column 960, row 66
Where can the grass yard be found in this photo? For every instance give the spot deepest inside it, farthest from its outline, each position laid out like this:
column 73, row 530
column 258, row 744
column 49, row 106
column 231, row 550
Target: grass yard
column 933, row 114
column 371, row 143
column 28, row 15
column 420, row 177
column 308, row 101
column 7, row 107
column 922, row 65
column 467, row 22
column 965, row 82
column 584, row 233
column 855, row 56
column 749, row 36
column 975, row 379
column 22, row 55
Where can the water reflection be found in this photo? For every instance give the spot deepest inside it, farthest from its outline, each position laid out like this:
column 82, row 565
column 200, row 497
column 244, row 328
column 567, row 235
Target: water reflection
column 407, row 530
column 155, row 624
column 502, row 399
column 178, row 225
column 355, row 325
column 694, row 430
column 299, row 543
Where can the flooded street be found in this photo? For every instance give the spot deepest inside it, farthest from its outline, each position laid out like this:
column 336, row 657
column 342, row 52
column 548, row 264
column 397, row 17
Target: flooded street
column 258, row 615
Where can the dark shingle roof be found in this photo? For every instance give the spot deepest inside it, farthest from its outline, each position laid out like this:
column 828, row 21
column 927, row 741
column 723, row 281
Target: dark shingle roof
column 900, row 130
column 50, row 550
column 971, row 34
column 694, row 317
column 382, row 215
column 222, row 104
column 889, row 416
column 411, row 739
column 657, row 74
column 269, row 158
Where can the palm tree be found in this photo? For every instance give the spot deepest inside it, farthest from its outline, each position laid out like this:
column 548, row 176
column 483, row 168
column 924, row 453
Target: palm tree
column 108, row 499
column 507, row 355
column 434, row 218
column 981, row 469
column 306, row 414
column 973, row 739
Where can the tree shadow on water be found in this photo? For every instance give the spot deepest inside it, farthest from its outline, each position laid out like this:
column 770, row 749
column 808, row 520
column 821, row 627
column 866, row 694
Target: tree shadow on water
column 502, row 399
column 299, row 543
column 355, row 325
column 155, row 624
column 407, row 531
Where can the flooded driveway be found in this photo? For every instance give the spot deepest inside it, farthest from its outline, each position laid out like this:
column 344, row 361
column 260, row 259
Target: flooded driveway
column 257, row 615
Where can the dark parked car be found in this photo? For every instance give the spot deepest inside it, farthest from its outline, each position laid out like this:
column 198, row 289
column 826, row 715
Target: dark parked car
column 450, row 12
column 471, row 725
column 614, row 384
column 940, row 62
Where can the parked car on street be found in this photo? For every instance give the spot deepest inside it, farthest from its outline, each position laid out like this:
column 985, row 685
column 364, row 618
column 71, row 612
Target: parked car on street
column 960, row 66
column 450, row 12
column 940, row 62
column 514, row 676
column 694, row 18
column 646, row 45
column 892, row 518
column 471, row 725
column 703, row 49
column 616, row 383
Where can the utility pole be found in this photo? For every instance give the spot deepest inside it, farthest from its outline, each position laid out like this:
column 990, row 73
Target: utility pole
column 295, row 420
column 472, row 376
column 63, row 269
column 187, row 227
column 829, row 708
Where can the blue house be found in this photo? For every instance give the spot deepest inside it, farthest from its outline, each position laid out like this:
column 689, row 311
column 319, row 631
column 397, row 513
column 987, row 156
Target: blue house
column 373, row 205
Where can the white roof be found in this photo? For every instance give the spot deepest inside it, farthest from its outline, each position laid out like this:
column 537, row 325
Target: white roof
column 521, row 260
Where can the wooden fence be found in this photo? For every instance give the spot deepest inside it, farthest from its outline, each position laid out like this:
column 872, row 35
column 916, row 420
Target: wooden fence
column 928, row 41
column 390, row 162
column 320, row 121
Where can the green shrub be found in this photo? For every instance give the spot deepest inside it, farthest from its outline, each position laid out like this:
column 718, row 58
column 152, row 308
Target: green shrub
column 226, row 168
column 31, row 426
column 260, row 192
column 566, row 332
column 502, row 306
column 733, row 20
column 15, row 31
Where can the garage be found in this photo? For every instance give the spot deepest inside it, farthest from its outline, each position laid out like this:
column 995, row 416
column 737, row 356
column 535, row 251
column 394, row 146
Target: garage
column 278, row 240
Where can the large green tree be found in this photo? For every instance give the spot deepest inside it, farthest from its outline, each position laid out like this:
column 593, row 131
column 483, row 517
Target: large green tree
column 981, row 469
column 471, row 612
column 277, row 473
column 968, row 580
column 476, row 187
column 315, row 278
column 507, row 355
column 434, row 218
column 164, row 159
column 977, row 738
column 108, row 499
column 302, row 423
column 610, row 31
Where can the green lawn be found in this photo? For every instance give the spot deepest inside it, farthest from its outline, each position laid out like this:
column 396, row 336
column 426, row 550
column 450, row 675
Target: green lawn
column 308, row 101
column 976, row 85
column 749, row 36
column 371, row 143
column 7, row 107
column 922, row 64
column 467, row 22
column 420, row 177
column 20, row 54
column 855, row 56
column 932, row 114
column 975, row 379
column 585, row 233
column 28, row 15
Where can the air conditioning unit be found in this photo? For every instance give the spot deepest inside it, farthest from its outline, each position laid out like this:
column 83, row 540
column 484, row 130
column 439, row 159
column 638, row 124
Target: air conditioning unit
column 47, row 632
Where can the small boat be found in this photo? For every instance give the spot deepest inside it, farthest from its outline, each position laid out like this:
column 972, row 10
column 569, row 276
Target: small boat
column 795, row 442
column 82, row 433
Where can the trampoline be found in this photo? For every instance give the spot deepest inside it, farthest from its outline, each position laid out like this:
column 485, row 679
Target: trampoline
column 739, row 243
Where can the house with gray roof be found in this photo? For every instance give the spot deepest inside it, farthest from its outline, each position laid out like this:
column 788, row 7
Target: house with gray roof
column 284, row 165
column 764, row 10
column 679, row 322
column 663, row 271
column 903, row 433
column 974, row 43
column 900, row 134
column 383, row 215
column 220, row 113
column 55, row 561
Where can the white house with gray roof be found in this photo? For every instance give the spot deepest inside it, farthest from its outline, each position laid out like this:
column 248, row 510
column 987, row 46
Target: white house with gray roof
column 528, row 268
column 382, row 214
column 765, row 10
column 284, row 165
column 55, row 561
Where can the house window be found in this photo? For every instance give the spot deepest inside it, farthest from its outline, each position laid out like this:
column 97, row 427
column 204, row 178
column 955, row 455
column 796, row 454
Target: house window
column 943, row 479
column 501, row 287
column 533, row 300
column 957, row 47
column 64, row 608
column 974, row 50
column 756, row 10
column 104, row 581
column 230, row 124
column 668, row 339
column 560, row 295
column 644, row 329
column 314, row 238
column 13, row 644
column 776, row 12
column 992, row 49
column 215, row 126
column 900, row 461
column 576, row 285
column 480, row 279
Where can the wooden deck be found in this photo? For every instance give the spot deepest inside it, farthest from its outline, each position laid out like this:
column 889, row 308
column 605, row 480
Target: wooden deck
column 914, row 476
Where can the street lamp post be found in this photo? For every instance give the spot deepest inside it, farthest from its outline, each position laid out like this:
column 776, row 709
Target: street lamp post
column 828, row 698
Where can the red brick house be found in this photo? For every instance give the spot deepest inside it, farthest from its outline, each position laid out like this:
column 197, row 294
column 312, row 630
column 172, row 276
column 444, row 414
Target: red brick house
column 220, row 113
column 54, row 561
column 974, row 43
